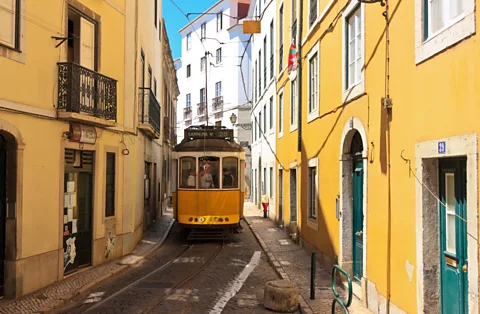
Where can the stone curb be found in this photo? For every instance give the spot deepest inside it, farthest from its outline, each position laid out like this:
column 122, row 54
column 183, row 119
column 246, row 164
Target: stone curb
column 102, row 278
column 304, row 307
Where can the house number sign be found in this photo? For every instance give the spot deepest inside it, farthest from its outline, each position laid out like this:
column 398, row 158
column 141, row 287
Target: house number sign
column 442, row 147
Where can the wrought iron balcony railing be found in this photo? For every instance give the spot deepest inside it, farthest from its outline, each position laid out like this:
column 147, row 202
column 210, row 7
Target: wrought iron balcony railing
column 150, row 108
column 201, row 109
column 187, row 113
column 217, row 103
column 81, row 90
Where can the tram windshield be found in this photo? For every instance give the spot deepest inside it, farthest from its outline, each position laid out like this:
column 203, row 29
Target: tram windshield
column 188, row 168
column 208, row 172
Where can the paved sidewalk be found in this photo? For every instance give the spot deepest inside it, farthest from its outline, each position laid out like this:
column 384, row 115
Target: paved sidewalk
column 53, row 296
column 293, row 263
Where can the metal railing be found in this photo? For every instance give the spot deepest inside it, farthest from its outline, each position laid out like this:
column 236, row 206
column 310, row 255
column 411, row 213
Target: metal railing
column 337, row 299
column 82, row 90
column 150, row 108
column 187, row 113
column 217, row 103
column 201, row 109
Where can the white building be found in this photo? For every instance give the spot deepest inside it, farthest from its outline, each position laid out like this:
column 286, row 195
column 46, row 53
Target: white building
column 210, row 75
column 263, row 101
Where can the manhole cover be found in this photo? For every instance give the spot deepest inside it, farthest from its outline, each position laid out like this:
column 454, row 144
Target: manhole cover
column 153, row 285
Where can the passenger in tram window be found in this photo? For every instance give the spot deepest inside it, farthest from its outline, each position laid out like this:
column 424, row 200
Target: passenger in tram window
column 206, row 180
column 227, row 178
column 191, row 179
column 214, row 172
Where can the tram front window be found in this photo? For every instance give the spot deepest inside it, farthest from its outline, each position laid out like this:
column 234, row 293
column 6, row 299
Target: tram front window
column 188, row 168
column 230, row 173
column 208, row 172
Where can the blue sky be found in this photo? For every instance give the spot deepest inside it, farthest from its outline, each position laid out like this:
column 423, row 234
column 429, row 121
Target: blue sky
column 175, row 20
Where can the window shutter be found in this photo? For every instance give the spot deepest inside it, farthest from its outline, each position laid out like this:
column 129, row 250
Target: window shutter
column 7, row 22
column 87, row 44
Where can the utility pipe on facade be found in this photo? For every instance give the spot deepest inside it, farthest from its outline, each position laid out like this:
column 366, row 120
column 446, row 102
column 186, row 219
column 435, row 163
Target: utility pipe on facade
column 388, row 115
column 299, row 75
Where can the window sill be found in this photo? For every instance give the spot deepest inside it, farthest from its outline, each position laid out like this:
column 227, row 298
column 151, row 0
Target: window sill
column 460, row 29
column 354, row 91
column 282, row 71
column 313, row 115
column 293, row 127
column 13, row 54
column 280, row 135
column 312, row 223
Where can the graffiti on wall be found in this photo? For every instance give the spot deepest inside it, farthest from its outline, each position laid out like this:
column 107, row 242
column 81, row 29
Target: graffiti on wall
column 110, row 246
column 70, row 253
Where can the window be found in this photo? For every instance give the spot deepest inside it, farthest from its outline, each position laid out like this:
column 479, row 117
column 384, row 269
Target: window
column 83, row 50
column 280, row 113
column 218, row 89
column 219, row 55
column 146, row 183
column 312, row 192
column 208, row 172
column 219, row 21
column 293, row 103
column 264, row 117
column 260, row 125
column 259, row 73
column 189, row 100
column 313, row 12
column 280, row 40
column 264, row 185
column 10, row 23
column 354, row 49
column 155, row 10
column 294, row 20
column 110, row 185
column 230, row 173
column 189, row 70
column 202, row 64
column 203, row 31
column 254, row 129
column 442, row 13
column 149, row 76
column 155, row 86
column 265, row 62
column 313, row 83
column 271, row 113
column 188, row 170
column 202, row 95
column 271, row 182
column 439, row 24
column 254, row 80
column 272, row 38
column 189, row 41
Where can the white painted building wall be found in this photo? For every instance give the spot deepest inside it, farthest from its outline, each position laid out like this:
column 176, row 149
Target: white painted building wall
column 232, row 42
column 263, row 113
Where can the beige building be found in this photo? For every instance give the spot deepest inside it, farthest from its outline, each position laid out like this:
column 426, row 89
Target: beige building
column 82, row 144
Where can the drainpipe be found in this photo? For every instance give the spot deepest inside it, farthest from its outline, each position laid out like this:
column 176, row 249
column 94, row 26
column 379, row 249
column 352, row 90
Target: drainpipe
column 299, row 75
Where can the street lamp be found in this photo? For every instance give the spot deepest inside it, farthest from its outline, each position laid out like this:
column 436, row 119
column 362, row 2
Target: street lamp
column 245, row 126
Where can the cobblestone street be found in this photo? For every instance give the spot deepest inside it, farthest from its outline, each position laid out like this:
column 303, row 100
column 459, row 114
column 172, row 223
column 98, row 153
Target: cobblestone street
column 177, row 287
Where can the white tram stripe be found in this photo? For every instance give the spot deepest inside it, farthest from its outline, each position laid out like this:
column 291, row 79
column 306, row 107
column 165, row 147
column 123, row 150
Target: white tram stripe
column 236, row 284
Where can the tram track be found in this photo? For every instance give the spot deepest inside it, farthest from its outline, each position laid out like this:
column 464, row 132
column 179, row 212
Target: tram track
column 156, row 298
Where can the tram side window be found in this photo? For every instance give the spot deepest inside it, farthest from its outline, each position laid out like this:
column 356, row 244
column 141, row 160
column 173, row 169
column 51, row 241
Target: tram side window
column 230, row 173
column 188, row 168
column 208, row 172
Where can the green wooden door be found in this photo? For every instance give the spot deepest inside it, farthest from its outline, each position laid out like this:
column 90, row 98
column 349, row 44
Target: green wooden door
column 453, row 236
column 357, row 192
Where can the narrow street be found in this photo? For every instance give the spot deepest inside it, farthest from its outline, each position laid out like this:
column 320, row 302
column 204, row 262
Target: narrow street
column 183, row 277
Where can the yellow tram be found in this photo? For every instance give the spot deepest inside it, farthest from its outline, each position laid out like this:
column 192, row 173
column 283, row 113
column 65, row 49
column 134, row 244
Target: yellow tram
column 209, row 187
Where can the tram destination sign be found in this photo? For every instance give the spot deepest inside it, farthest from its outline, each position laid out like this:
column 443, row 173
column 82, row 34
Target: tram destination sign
column 212, row 133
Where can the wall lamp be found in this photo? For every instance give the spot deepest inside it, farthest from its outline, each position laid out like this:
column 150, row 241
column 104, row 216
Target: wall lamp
column 245, row 126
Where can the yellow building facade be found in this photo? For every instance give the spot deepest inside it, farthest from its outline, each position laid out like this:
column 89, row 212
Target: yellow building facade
column 73, row 189
column 386, row 181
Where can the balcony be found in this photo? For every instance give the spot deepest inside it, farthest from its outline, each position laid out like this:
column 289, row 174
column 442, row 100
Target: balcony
column 202, row 111
column 86, row 96
column 187, row 113
column 217, row 104
column 149, row 112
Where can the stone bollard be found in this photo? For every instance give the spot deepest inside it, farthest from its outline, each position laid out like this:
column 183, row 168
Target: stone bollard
column 281, row 296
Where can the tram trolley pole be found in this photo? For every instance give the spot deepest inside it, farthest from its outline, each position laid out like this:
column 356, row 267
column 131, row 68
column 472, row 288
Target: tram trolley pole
column 336, row 295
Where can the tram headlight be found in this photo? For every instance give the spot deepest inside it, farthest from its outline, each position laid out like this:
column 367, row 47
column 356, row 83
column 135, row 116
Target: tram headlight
column 190, row 219
column 196, row 219
column 226, row 219
column 220, row 219
column 202, row 219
